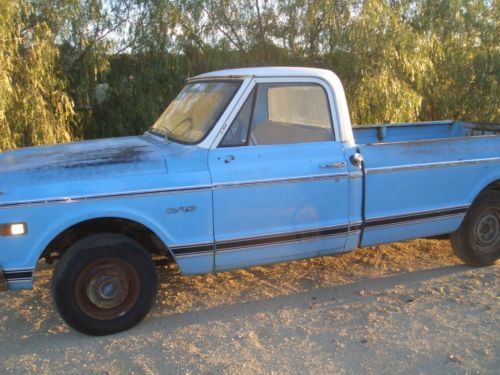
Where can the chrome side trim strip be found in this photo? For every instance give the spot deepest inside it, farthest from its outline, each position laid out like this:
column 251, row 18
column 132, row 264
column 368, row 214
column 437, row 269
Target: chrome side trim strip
column 415, row 216
column 280, row 243
column 277, row 239
column 194, row 254
column 106, row 196
column 281, row 180
column 412, row 222
column 193, row 249
column 170, row 190
column 260, row 241
column 444, row 164
column 13, row 281
column 356, row 174
column 18, row 275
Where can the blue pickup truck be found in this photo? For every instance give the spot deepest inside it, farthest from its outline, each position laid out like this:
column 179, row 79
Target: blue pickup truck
column 245, row 167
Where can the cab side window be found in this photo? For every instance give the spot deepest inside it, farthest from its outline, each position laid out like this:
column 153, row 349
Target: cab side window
column 291, row 113
column 282, row 113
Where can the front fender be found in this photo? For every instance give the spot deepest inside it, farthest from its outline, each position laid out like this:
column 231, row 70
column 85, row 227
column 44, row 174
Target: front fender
column 46, row 221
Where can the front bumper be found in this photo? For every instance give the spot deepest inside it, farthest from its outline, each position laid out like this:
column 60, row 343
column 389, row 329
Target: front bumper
column 3, row 282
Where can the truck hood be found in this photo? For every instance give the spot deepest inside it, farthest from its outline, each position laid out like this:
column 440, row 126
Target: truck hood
column 104, row 156
column 75, row 167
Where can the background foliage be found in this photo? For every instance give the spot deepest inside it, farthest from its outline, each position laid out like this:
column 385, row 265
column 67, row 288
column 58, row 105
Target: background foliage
column 74, row 69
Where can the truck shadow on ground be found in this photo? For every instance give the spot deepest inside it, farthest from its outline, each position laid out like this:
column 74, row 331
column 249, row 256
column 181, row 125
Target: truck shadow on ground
column 184, row 300
column 364, row 289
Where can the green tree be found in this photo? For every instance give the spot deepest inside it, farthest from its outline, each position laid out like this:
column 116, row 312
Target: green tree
column 34, row 106
column 463, row 38
column 391, row 60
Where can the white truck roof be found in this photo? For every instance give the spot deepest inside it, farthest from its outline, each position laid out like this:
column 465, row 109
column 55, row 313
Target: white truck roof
column 272, row 71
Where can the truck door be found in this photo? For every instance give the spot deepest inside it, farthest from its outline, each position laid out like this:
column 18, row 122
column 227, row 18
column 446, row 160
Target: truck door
column 280, row 177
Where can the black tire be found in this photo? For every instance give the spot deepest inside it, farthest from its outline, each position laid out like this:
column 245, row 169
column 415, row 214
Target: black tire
column 477, row 241
column 104, row 283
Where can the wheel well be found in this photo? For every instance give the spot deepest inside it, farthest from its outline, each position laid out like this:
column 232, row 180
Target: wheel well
column 493, row 186
column 129, row 228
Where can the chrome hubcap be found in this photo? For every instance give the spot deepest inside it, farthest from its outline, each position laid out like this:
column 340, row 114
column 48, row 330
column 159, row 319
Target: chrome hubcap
column 107, row 291
column 487, row 229
column 107, row 288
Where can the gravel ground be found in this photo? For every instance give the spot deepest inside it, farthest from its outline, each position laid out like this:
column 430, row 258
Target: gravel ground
column 407, row 307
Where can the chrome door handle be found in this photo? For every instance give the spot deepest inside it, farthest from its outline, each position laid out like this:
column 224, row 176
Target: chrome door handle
column 228, row 159
column 340, row 164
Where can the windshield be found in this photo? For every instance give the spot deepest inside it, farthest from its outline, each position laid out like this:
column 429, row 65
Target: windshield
column 193, row 113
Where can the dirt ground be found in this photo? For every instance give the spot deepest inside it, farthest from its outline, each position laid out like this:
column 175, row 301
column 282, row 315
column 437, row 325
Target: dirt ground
column 402, row 308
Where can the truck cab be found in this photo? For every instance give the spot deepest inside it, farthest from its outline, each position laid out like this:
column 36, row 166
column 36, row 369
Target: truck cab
column 279, row 164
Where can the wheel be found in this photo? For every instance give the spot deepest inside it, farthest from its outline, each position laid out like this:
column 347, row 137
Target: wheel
column 477, row 241
column 104, row 283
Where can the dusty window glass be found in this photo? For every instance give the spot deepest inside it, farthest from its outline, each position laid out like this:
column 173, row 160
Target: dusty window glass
column 237, row 133
column 193, row 113
column 291, row 113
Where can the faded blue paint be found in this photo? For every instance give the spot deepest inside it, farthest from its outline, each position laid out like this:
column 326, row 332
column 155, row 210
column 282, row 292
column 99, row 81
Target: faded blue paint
column 246, row 205
column 253, row 204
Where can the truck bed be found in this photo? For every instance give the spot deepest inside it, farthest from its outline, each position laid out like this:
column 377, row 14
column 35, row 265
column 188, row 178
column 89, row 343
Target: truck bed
column 431, row 170
column 418, row 131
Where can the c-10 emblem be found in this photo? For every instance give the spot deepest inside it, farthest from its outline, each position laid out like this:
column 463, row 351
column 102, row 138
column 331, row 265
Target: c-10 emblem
column 173, row 210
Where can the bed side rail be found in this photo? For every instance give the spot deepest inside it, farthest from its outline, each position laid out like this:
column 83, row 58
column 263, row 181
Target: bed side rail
column 482, row 128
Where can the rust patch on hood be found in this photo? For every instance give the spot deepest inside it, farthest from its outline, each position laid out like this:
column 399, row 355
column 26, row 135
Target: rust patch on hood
column 110, row 156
